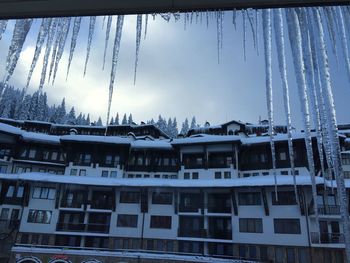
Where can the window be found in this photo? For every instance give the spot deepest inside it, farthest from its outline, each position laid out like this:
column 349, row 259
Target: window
column 82, row 172
column 227, row 175
column 127, row 220
column 5, row 212
column 44, row 193
column 46, row 155
column 108, row 159
column 265, row 173
column 3, row 168
column 165, row 176
column 186, row 175
column 146, row 176
column 129, row 197
column 249, row 198
column 32, row 153
column 85, row 158
column 138, row 176
column 162, row 198
column 161, row 222
column 284, row 198
column 54, row 156
column 250, row 225
column 10, row 191
column 73, row 172
column 284, row 172
column 42, row 170
column 113, row 174
column 20, row 192
column 39, row 216
column 287, row 226
column 158, row 176
column 104, row 174
column 195, row 175
column 217, row 175
column 283, row 156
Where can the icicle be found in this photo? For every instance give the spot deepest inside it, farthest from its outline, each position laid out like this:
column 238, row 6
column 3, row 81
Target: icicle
column 207, row 18
column 20, row 32
column 257, row 30
column 43, row 31
column 279, row 37
column 61, row 45
column 344, row 41
column 244, row 34
column 297, row 54
column 310, row 84
column 177, row 16
column 55, row 46
column 118, row 35
column 50, row 37
column 267, row 30
column 91, row 33
column 103, row 21
column 331, row 30
column 146, row 24
column 138, row 41
column 3, row 24
column 252, row 24
column 76, row 28
column 218, row 33
column 332, row 121
column 234, row 16
column 108, row 30
column 166, row 16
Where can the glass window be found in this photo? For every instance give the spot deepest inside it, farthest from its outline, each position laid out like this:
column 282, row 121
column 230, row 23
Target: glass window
column 249, row 198
column 217, row 175
column 73, row 172
column 127, row 220
column 32, row 153
column 129, row 197
column 46, row 155
column 250, row 225
column 36, row 192
column 20, row 192
column 5, row 212
column 283, row 156
column 82, row 172
column 287, row 226
column 279, row 252
column 113, row 174
column 52, row 193
column 108, row 159
column 161, row 222
column 10, row 191
column 291, row 255
column 186, row 175
column 162, row 198
column 284, row 198
column 3, row 168
column 54, row 156
column 227, row 175
column 195, row 175
column 158, row 176
column 104, row 174
column 39, row 216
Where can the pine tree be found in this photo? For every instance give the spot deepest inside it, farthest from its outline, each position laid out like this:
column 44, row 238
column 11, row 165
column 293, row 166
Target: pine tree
column 61, row 112
column 99, row 122
column 193, row 123
column 80, row 119
column 88, row 122
column 71, row 119
column 124, row 121
column 174, row 130
column 112, row 121
column 116, row 121
column 19, row 104
column 161, row 123
column 169, row 127
column 185, row 127
column 7, row 102
column 130, row 121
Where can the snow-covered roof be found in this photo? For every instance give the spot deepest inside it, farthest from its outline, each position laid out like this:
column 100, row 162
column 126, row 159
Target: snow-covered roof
column 40, row 137
column 171, row 183
column 206, row 138
column 10, row 129
column 96, row 138
column 156, row 144
column 277, row 137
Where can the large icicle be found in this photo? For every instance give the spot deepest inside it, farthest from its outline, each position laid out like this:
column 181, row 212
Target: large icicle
column 311, row 84
column 332, row 121
column 91, row 34
column 50, row 38
column 252, row 23
column 244, row 34
column 43, row 31
column 279, row 37
column 138, row 42
column 20, row 32
column 344, row 41
column 331, row 29
column 146, row 24
column 76, row 28
column 55, row 46
column 108, row 31
column 3, row 24
column 267, row 31
column 118, row 36
column 61, row 45
column 299, row 68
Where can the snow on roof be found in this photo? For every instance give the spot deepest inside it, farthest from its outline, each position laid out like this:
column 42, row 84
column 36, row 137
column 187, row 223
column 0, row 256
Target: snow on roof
column 96, row 138
column 206, row 138
column 171, row 183
column 40, row 137
column 277, row 137
column 10, row 129
column 157, row 144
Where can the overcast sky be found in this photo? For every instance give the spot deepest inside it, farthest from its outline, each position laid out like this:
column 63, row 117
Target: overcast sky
column 178, row 74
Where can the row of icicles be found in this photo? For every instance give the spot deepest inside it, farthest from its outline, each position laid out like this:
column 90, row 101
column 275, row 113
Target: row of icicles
column 306, row 29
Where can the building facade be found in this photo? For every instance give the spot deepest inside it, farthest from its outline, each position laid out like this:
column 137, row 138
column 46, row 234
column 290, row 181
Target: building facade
column 71, row 194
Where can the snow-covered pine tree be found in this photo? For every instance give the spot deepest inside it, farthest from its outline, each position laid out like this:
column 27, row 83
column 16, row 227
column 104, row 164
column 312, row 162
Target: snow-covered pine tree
column 19, row 104
column 174, row 130
column 169, row 126
column 161, row 123
column 193, row 123
column 112, row 121
column 124, row 121
column 6, row 102
column 130, row 120
column 99, row 122
column 61, row 112
column 79, row 120
column 116, row 120
column 71, row 119
column 185, row 127
column 88, row 122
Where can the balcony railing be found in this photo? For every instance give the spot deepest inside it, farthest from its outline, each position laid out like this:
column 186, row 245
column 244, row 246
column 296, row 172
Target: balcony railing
column 328, row 209
column 327, row 238
column 219, row 209
column 68, row 204
column 189, row 209
column 219, row 234
column 101, row 205
column 200, row 233
column 81, row 227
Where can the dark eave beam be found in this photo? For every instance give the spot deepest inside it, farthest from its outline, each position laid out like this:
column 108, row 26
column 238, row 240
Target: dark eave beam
column 57, row 8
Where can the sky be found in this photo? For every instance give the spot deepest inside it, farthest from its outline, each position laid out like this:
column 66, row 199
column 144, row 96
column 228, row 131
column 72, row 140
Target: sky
column 178, row 74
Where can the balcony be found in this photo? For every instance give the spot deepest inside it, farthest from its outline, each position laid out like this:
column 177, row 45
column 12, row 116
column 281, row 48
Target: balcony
column 101, row 205
column 327, row 238
column 220, row 234
column 69, row 204
column 189, row 209
column 219, row 208
column 81, row 227
column 6, row 224
column 328, row 209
